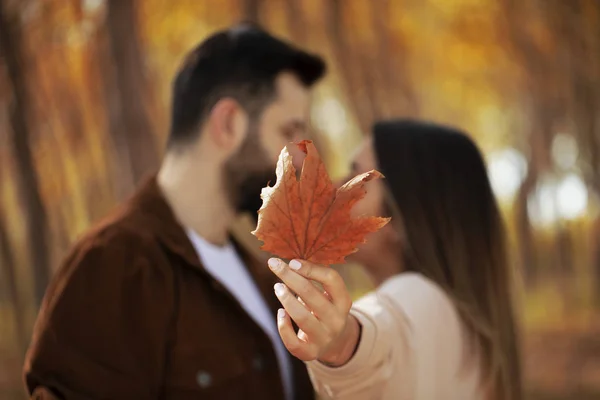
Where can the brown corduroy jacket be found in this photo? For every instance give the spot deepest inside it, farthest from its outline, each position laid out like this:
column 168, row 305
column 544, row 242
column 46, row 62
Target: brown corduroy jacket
column 133, row 315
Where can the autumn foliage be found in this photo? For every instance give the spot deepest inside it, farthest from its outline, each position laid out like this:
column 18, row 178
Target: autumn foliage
column 309, row 218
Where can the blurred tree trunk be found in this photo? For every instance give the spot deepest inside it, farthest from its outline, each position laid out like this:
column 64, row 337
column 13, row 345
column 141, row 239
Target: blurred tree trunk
column 564, row 242
column 373, row 60
column 343, row 58
column 11, row 44
column 295, row 20
column 251, row 10
column 524, row 231
column 543, row 111
column 7, row 261
column 397, row 97
column 127, row 94
column 374, row 75
column 581, row 36
column 595, row 257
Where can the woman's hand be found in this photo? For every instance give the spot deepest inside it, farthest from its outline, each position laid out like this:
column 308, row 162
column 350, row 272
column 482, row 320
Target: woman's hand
column 327, row 330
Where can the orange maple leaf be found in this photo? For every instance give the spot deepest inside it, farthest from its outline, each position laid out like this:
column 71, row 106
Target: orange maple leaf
column 308, row 219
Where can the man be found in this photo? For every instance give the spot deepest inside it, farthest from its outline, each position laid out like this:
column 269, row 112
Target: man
column 158, row 301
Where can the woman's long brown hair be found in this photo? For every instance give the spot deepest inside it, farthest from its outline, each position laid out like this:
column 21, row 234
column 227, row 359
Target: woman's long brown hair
column 454, row 235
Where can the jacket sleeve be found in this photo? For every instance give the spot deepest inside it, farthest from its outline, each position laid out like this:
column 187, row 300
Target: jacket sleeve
column 410, row 341
column 102, row 330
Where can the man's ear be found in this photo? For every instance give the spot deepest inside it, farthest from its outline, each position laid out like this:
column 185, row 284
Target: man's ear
column 228, row 123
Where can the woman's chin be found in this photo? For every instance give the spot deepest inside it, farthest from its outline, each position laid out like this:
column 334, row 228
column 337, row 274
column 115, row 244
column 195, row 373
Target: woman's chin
column 361, row 255
column 354, row 258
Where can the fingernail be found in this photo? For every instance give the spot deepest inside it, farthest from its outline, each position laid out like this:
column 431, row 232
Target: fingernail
column 274, row 263
column 295, row 265
column 281, row 313
column 279, row 289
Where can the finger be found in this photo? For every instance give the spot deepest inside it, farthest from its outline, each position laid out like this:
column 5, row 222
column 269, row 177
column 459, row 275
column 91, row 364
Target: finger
column 332, row 282
column 303, row 317
column 304, row 304
column 298, row 348
column 304, row 288
column 302, row 335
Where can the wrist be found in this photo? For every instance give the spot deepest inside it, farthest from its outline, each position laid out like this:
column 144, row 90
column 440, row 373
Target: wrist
column 346, row 345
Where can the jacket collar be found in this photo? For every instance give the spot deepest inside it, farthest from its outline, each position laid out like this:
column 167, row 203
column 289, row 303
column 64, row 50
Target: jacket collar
column 149, row 207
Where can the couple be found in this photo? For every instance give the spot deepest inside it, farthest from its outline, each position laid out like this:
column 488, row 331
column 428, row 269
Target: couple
column 161, row 300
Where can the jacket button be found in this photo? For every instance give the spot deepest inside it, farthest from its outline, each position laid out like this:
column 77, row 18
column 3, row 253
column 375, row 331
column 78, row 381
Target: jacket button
column 258, row 363
column 204, row 379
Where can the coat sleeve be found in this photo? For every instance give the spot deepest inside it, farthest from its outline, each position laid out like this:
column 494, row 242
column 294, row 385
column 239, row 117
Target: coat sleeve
column 102, row 330
column 366, row 374
column 410, row 345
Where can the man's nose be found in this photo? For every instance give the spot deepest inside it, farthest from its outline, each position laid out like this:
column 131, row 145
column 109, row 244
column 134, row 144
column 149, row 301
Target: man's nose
column 297, row 156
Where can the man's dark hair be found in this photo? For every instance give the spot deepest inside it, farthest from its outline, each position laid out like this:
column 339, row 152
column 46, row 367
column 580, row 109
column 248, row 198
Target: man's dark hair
column 241, row 62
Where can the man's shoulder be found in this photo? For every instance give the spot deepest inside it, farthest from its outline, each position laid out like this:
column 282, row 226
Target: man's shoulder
column 114, row 231
column 112, row 244
column 108, row 259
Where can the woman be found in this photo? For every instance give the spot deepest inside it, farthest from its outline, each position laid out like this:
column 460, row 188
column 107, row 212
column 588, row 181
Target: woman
column 440, row 325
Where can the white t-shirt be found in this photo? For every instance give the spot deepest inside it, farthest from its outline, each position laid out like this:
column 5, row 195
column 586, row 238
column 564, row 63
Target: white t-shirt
column 225, row 265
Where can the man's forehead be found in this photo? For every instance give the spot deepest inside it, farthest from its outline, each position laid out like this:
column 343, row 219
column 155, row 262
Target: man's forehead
column 291, row 91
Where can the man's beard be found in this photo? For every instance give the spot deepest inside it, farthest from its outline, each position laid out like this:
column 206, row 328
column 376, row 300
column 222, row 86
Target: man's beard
column 246, row 173
column 248, row 199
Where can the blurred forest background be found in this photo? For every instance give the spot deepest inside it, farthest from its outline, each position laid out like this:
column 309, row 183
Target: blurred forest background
column 84, row 104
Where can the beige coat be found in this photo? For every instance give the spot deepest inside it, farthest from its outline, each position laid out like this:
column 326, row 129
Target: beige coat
column 413, row 346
